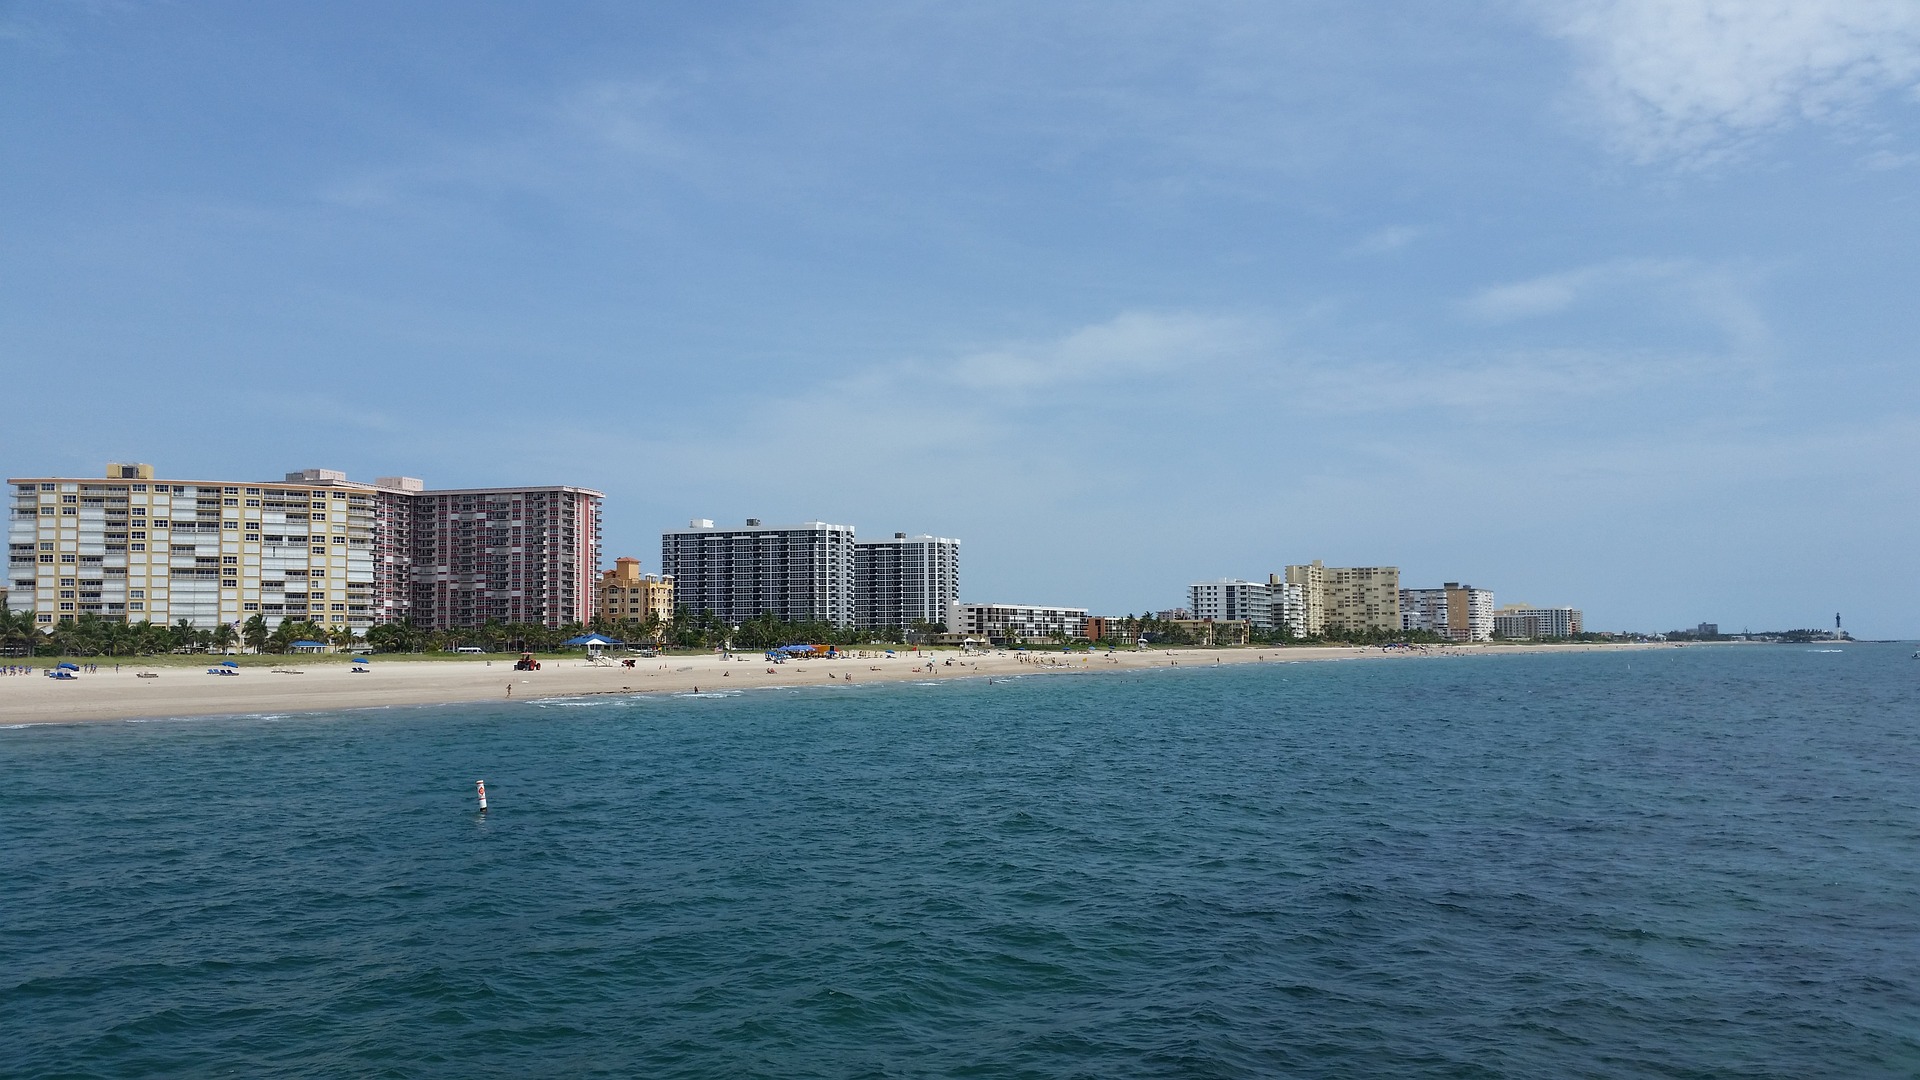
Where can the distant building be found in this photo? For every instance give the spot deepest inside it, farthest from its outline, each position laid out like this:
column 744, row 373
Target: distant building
column 1456, row 612
column 1522, row 621
column 904, row 580
column 1173, row 614
column 1362, row 598
column 796, row 573
column 624, row 594
column 1024, row 622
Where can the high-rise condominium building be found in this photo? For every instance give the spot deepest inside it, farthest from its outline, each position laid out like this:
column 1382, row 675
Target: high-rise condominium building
column 1522, row 621
column 624, row 594
column 515, row 555
column 1348, row 597
column 1312, row 580
column 313, row 546
column 797, row 573
column 904, row 580
column 1456, row 612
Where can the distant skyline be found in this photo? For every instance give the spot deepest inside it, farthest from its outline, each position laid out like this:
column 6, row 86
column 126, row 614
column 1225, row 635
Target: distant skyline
column 1603, row 304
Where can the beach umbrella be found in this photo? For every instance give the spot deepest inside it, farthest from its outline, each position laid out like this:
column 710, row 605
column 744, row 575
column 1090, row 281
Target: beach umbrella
column 361, row 660
column 229, row 663
column 69, row 667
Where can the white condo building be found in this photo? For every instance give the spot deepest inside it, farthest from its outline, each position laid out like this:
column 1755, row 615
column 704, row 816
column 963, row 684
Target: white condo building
column 1000, row 622
column 1271, row 605
column 1454, row 611
column 904, row 580
column 796, row 573
column 1231, row 600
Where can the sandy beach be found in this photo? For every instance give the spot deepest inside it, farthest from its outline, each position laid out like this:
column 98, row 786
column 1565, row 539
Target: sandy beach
column 268, row 685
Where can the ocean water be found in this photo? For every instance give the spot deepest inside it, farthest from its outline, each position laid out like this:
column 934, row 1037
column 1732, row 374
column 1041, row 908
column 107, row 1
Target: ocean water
column 1682, row 863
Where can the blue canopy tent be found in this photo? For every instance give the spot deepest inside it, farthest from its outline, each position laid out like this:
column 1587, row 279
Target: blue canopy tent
column 66, row 667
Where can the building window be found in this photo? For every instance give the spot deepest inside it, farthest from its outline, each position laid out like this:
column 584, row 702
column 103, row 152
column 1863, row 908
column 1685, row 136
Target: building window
column 135, row 605
column 250, row 607
column 66, row 607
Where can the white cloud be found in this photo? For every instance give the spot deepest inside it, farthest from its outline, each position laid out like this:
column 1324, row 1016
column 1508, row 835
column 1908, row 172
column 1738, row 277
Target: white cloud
column 1387, row 240
column 1713, row 295
column 1696, row 80
column 1130, row 346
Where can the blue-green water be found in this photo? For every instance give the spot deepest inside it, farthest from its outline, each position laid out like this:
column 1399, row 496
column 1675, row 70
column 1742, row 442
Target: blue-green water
column 1685, row 863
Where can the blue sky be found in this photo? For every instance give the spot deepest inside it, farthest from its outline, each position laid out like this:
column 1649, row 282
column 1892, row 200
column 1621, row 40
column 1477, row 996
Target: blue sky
column 1598, row 303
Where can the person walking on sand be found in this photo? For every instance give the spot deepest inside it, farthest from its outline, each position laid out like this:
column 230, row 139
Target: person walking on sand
column 509, row 689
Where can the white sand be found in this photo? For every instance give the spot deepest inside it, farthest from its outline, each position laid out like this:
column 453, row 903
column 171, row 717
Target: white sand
column 189, row 691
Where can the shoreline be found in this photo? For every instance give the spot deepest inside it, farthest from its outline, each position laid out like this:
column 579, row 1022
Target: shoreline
column 190, row 693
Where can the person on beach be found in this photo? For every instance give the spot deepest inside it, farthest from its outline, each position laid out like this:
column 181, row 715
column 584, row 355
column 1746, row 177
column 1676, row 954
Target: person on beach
column 509, row 689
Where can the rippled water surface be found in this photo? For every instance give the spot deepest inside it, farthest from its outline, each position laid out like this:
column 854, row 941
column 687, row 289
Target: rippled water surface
column 1688, row 863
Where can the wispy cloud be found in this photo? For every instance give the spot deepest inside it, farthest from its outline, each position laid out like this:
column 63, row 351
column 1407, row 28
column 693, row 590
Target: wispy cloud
column 1694, row 81
column 1715, row 295
column 1131, row 346
column 1385, row 241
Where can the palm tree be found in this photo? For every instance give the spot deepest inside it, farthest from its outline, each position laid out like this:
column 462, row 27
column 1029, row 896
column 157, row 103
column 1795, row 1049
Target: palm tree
column 255, row 632
column 224, row 637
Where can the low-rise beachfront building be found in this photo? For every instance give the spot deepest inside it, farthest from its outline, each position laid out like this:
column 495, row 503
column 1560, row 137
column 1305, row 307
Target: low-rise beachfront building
column 904, row 580
column 1523, row 621
column 1016, row 622
column 313, row 546
column 1454, row 611
column 624, row 594
column 796, row 573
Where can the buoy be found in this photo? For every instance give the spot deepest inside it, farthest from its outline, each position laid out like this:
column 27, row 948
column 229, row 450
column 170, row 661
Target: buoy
column 481, row 787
